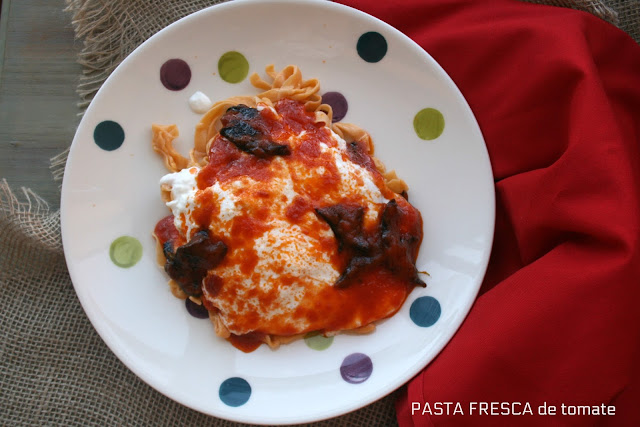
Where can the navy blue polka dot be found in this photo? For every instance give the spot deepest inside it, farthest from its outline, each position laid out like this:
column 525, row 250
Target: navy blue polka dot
column 234, row 391
column 425, row 311
column 108, row 135
column 372, row 46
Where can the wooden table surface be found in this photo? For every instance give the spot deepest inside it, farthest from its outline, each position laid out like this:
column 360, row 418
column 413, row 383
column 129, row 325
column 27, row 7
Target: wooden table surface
column 38, row 101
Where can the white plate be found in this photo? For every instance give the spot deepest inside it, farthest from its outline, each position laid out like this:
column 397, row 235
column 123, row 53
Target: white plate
column 112, row 193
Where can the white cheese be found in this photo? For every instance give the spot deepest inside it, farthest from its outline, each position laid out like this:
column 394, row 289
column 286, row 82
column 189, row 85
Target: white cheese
column 183, row 191
column 287, row 245
column 200, row 103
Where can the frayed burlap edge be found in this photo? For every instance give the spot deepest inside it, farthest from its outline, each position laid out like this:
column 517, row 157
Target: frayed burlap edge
column 30, row 219
column 58, row 164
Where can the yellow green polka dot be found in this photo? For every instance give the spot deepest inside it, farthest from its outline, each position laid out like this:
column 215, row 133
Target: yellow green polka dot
column 428, row 123
column 125, row 251
column 233, row 67
column 317, row 341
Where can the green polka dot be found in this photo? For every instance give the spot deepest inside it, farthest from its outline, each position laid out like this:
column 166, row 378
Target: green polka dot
column 428, row 123
column 125, row 251
column 233, row 67
column 317, row 341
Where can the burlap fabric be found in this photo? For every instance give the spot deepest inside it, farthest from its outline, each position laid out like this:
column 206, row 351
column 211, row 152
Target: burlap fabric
column 55, row 368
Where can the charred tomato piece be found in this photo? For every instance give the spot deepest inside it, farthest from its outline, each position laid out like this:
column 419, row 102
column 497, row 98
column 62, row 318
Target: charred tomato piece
column 243, row 125
column 189, row 264
column 387, row 247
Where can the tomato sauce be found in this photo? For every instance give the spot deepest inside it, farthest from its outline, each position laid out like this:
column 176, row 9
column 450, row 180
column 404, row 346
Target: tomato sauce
column 165, row 231
column 247, row 342
column 377, row 263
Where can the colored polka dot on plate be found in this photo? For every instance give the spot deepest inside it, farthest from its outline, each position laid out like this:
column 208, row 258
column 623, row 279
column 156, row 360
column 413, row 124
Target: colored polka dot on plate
column 108, row 135
column 125, row 251
column 317, row 341
column 356, row 368
column 234, row 391
column 428, row 123
column 372, row 46
column 175, row 74
column 425, row 311
column 196, row 310
column 233, row 67
column 338, row 104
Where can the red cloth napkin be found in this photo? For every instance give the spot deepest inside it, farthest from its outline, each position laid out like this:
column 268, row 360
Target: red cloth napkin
column 557, row 95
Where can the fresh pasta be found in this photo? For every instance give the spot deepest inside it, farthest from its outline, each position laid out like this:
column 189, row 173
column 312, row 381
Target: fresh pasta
column 284, row 223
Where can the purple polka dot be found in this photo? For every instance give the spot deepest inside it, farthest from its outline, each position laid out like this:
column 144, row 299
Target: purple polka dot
column 175, row 74
column 196, row 310
column 338, row 104
column 356, row 368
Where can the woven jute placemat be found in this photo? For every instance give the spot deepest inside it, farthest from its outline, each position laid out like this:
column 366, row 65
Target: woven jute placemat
column 55, row 368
